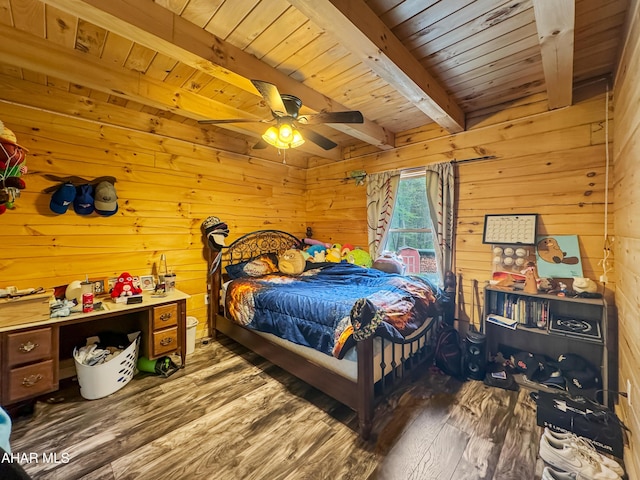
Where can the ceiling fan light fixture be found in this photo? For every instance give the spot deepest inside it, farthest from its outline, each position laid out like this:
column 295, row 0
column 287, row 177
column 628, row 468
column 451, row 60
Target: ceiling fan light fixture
column 283, row 136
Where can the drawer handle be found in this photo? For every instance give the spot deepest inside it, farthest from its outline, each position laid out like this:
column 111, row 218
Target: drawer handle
column 166, row 341
column 27, row 347
column 31, row 380
column 166, row 316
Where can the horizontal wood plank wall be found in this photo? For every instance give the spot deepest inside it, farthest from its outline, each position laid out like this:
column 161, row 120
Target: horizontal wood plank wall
column 166, row 187
column 627, row 244
column 550, row 163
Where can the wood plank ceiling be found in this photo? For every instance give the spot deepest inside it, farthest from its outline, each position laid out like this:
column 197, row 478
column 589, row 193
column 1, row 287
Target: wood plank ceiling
column 403, row 63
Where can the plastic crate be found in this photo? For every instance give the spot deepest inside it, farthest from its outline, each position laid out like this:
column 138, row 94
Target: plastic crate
column 97, row 381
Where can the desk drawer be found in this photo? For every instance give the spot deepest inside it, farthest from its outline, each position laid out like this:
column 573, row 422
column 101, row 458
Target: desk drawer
column 165, row 341
column 165, row 316
column 32, row 380
column 29, row 346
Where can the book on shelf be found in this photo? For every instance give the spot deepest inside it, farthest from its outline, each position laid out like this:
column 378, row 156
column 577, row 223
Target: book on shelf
column 502, row 321
column 528, row 312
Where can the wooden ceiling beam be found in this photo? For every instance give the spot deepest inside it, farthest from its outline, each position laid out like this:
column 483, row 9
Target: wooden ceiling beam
column 149, row 24
column 34, row 53
column 363, row 33
column 555, row 22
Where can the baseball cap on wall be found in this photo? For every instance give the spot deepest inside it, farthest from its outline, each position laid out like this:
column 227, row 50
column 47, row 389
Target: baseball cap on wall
column 83, row 203
column 62, row 198
column 105, row 199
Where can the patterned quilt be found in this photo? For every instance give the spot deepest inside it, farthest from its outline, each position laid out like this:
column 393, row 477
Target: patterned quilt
column 331, row 307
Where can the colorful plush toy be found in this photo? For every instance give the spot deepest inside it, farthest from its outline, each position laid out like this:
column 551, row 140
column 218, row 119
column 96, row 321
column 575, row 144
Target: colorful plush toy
column 125, row 287
column 311, row 241
column 316, row 249
column 359, row 257
column 334, row 254
column 346, row 248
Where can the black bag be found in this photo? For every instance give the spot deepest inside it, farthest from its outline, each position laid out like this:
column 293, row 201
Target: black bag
column 448, row 352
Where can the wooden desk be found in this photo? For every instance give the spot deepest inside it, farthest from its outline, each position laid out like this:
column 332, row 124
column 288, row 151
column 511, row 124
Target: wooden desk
column 33, row 346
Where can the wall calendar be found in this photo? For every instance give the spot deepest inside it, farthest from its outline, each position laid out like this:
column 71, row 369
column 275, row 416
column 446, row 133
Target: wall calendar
column 511, row 229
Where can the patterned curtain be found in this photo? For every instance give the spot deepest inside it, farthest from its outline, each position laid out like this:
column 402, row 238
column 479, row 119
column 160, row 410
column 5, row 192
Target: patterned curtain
column 382, row 189
column 441, row 195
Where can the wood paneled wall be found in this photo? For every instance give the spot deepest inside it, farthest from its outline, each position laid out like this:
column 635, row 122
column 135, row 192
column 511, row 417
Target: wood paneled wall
column 166, row 188
column 626, row 155
column 550, row 163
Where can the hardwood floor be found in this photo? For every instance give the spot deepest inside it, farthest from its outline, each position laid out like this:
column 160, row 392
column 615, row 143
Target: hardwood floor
column 231, row 415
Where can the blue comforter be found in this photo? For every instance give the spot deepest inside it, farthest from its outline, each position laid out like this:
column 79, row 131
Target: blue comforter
column 316, row 309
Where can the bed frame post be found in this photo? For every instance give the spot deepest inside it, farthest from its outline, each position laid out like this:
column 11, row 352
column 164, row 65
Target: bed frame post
column 213, row 286
column 365, row 387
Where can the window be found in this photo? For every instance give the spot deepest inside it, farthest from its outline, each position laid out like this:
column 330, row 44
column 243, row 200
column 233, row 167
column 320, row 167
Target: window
column 410, row 234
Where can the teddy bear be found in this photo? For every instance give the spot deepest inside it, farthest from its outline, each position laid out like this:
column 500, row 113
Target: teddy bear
column 125, row 287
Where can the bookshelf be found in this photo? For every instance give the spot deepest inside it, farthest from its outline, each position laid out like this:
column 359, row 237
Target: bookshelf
column 548, row 325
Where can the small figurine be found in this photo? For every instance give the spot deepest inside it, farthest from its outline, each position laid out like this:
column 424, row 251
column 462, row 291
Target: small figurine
column 563, row 289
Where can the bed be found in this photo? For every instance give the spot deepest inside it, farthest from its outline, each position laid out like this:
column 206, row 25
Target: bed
column 354, row 333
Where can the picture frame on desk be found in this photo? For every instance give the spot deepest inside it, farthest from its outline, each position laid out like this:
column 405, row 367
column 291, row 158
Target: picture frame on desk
column 111, row 282
column 99, row 286
column 146, row 282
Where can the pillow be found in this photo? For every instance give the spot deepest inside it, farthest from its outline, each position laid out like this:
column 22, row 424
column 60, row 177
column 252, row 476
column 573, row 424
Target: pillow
column 255, row 267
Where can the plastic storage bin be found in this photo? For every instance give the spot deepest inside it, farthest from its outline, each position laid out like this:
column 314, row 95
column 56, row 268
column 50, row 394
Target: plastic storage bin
column 97, row 381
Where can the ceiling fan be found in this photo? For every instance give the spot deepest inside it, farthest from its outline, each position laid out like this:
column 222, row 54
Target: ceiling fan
column 288, row 121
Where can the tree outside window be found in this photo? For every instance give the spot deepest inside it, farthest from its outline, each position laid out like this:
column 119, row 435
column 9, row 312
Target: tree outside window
column 411, row 227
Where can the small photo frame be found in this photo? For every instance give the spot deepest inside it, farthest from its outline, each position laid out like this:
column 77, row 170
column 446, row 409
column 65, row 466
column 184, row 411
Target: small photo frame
column 111, row 282
column 146, row 282
column 99, row 286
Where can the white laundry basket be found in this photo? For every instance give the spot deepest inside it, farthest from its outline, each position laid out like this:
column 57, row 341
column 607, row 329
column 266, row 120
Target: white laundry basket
column 192, row 323
column 97, row 381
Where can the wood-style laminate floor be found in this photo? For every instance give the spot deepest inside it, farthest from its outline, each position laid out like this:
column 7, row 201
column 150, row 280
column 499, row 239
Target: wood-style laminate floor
column 231, row 415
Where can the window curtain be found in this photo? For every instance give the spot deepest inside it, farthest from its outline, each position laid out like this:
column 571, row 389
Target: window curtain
column 382, row 189
column 440, row 180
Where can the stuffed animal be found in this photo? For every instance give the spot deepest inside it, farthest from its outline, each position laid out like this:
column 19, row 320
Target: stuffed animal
column 311, row 241
column 291, row 262
column 314, row 252
column 334, row 254
column 125, row 287
column 359, row 257
column 346, row 248
column 319, row 257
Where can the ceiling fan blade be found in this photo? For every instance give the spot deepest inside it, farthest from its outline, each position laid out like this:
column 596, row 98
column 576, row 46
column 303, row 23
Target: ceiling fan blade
column 272, row 96
column 318, row 139
column 260, row 145
column 231, row 120
column 353, row 116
